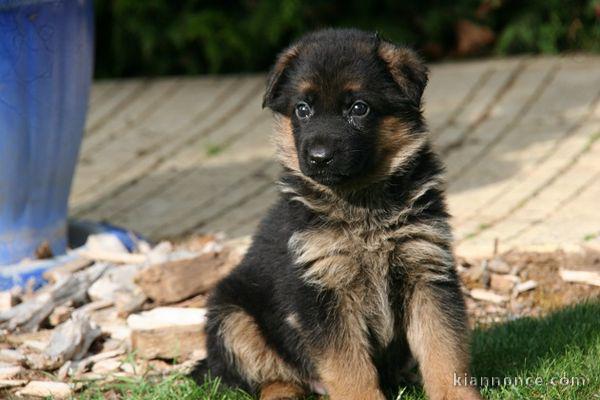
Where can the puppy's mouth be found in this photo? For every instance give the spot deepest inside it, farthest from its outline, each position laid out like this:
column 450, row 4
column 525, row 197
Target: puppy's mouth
column 327, row 177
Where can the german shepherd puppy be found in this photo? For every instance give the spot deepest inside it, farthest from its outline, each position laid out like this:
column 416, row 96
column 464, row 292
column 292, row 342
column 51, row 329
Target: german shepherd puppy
column 351, row 273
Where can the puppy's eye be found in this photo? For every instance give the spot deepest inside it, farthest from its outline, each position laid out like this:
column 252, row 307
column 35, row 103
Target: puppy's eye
column 359, row 109
column 303, row 110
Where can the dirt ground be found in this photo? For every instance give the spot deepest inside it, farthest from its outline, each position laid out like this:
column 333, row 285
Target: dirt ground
column 543, row 268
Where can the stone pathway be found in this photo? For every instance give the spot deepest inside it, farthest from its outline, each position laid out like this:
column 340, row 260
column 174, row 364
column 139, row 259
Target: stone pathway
column 174, row 156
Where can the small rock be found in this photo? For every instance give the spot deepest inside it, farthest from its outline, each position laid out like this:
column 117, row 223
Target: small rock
column 107, row 366
column 56, row 390
column 487, row 295
column 503, row 283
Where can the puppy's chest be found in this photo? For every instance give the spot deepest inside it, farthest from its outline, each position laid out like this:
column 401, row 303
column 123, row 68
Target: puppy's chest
column 335, row 257
column 355, row 264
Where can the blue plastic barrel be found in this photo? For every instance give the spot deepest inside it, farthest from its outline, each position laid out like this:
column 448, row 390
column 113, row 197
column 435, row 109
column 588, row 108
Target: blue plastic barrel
column 46, row 53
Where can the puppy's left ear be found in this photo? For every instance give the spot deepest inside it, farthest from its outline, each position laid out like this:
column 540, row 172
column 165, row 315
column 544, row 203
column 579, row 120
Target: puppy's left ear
column 273, row 98
column 407, row 69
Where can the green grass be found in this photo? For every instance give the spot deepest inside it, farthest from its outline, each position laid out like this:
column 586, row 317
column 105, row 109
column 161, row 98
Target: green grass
column 563, row 344
column 213, row 149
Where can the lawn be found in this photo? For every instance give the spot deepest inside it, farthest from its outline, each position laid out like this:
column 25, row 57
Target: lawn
column 565, row 344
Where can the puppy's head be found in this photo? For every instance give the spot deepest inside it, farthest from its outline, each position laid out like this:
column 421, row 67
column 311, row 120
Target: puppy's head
column 348, row 106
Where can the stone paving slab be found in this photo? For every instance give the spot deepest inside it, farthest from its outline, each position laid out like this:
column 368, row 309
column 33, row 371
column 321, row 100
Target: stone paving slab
column 174, row 156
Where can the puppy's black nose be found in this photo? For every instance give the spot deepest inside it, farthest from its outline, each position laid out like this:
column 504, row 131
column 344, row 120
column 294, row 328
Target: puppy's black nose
column 319, row 156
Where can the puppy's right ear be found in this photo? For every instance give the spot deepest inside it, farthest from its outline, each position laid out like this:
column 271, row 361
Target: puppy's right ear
column 273, row 98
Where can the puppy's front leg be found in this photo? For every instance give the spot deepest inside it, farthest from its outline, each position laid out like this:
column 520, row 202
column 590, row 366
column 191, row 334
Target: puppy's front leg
column 438, row 337
column 345, row 366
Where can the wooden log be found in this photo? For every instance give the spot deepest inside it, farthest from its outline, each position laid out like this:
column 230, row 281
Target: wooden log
column 175, row 281
column 168, row 332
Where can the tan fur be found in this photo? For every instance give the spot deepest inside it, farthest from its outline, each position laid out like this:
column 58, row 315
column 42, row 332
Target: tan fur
column 355, row 265
column 397, row 145
column 348, row 374
column 440, row 348
column 306, row 86
column 255, row 360
column 425, row 260
column 398, row 58
column 284, row 143
column 281, row 391
column 281, row 64
column 353, row 86
column 345, row 367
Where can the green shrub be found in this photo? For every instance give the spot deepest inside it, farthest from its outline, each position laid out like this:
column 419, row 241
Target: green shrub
column 153, row 37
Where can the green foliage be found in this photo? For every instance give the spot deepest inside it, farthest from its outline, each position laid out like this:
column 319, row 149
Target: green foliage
column 564, row 344
column 154, row 37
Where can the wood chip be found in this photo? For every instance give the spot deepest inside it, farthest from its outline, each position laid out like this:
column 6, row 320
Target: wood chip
column 11, row 356
column 7, row 300
column 198, row 301
column 17, row 339
column 117, row 286
column 56, row 390
column 487, row 295
column 28, row 315
column 60, row 314
column 526, row 286
column 175, row 281
column 69, row 268
column 8, row 371
column 11, row 383
column 78, row 368
column 168, row 332
column 586, row 277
